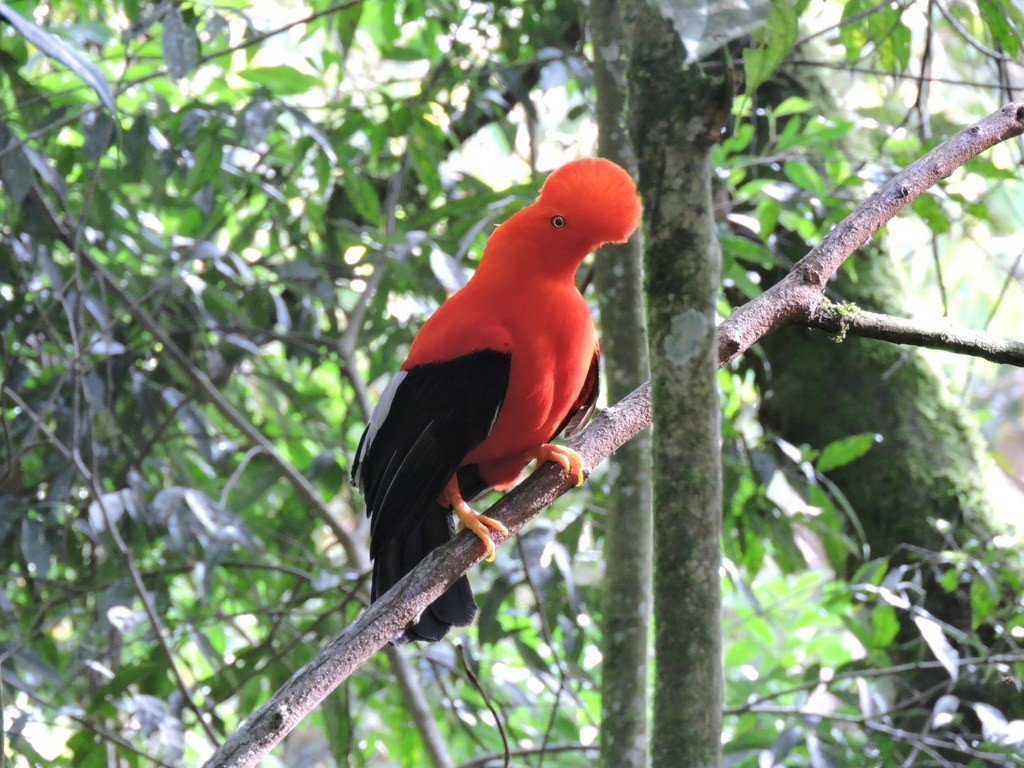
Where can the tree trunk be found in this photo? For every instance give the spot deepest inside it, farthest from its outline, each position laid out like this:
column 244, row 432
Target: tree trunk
column 618, row 278
column 675, row 116
column 926, row 466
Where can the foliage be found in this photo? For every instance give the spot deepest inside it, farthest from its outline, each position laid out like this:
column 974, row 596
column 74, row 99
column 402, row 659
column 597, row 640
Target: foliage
column 283, row 203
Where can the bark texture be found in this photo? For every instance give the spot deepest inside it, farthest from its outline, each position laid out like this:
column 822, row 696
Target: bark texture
column 676, row 113
column 618, row 277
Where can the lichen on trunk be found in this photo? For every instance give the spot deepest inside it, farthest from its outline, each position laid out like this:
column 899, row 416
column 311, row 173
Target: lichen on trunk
column 626, row 604
column 676, row 112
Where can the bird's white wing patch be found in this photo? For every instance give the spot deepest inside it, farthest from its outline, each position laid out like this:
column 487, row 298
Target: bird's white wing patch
column 379, row 415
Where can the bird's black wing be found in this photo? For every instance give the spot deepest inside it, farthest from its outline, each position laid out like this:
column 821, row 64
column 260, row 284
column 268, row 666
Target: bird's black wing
column 427, row 420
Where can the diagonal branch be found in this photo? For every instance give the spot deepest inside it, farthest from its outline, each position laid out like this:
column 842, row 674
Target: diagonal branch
column 385, row 619
column 795, row 298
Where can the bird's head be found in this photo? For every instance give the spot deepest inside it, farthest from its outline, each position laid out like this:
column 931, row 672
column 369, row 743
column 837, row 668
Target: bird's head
column 591, row 202
column 581, row 206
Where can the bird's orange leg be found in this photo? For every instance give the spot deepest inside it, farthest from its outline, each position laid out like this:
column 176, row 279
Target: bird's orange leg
column 478, row 524
column 570, row 461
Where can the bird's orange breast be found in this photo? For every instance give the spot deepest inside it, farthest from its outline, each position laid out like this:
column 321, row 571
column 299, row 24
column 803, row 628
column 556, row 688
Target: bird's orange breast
column 553, row 343
column 547, row 328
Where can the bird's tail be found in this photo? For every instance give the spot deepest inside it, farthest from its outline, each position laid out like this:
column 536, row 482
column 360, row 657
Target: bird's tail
column 455, row 607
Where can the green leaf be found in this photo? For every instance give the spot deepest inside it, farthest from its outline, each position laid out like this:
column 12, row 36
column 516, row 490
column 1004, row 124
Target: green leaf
column 55, row 49
column 739, row 277
column 890, row 36
column 207, row 164
column 984, row 598
column 739, row 140
column 950, row 580
column 852, row 34
column 35, row 547
column 337, row 714
column 1004, row 22
column 750, row 251
column 802, row 173
column 99, row 130
column 775, row 40
column 793, row 105
column 872, row 572
column 800, row 221
column 768, row 216
column 844, row 451
column 884, row 625
column 15, row 171
column 282, row 80
column 931, row 210
column 363, row 196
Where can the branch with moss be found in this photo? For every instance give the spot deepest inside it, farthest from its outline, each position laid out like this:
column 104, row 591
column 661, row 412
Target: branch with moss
column 794, row 299
column 849, row 319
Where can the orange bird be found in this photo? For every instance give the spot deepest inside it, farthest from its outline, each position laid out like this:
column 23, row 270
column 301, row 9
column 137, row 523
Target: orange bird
column 501, row 368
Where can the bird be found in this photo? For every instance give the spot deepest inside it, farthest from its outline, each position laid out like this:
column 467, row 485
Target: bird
column 507, row 363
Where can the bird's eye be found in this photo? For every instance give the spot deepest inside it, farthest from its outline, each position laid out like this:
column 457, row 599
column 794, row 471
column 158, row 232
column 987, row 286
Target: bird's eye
column 558, row 222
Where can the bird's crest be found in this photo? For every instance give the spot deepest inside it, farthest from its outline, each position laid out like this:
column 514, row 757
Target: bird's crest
column 599, row 191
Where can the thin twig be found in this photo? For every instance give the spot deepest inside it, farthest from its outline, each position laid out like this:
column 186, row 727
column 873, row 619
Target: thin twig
column 418, row 706
column 549, row 640
column 467, row 667
column 896, row 669
column 869, row 722
column 852, row 19
column 970, row 39
column 844, row 67
column 487, row 761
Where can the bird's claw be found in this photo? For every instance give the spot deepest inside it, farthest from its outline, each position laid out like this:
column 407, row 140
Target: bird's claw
column 570, row 461
column 481, row 525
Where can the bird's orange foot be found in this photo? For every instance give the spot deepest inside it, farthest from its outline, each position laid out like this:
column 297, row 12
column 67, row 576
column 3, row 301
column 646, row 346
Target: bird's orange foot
column 481, row 525
column 570, row 461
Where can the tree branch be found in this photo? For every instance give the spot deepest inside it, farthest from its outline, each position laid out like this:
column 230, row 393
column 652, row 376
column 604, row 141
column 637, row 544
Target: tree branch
column 385, row 619
column 844, row 319
column 795, row 298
